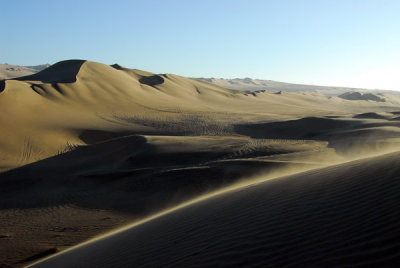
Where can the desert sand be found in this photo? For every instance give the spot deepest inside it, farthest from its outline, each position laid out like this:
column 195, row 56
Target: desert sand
column 8, row 71
column 344, row 215
column 251, row 85
column 194, row 173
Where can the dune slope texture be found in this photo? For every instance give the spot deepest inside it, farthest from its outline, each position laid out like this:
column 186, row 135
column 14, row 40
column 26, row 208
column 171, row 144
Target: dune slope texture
column 87, row 148
column 55, row 107
column 344, row 215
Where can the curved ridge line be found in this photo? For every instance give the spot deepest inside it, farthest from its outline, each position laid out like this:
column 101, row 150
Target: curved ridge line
column 237, row 186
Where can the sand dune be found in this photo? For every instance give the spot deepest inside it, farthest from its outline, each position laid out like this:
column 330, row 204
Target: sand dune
column 8, row 71
column 343, row 215
column 362, row 96
column 127, row 179
column 253, row 85
column 57, row 105
column 87, row 148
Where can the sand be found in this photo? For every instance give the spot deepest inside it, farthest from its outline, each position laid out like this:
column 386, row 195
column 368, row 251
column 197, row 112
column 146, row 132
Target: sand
column 344, row 215
column 87, row 148
column 8, row 71
column 254, row 85
column 55, row 106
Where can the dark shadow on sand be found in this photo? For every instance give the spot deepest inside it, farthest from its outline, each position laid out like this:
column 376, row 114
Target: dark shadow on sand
column 151, row 80
column 61, row 72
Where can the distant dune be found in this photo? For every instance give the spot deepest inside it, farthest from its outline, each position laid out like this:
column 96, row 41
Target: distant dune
column 73, row 97
column 249, row 84
column 244, row 84
column 87, row 148
column 8, row 71
column 362, row 96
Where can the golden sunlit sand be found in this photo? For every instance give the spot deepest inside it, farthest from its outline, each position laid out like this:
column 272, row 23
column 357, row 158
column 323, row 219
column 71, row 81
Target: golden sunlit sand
column 136, row 165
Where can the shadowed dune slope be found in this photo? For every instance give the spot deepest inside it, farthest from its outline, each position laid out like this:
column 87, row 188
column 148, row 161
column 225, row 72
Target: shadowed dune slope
column 42, row 114
column 345, row 215
column 372, row 116
column 67, row 199
column 361, row 96
column 61, row 72
column 86, row 148
column 147, row 173
column 346, row 135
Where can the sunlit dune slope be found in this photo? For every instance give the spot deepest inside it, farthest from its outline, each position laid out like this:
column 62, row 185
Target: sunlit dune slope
column 86, row 148
column 42, row 115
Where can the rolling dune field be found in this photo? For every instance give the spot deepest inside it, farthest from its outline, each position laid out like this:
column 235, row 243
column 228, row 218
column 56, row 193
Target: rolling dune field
column 109, row 166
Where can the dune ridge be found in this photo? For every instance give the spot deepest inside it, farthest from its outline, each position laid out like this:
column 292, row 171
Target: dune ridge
column 87, row 148
column 74, row 96
column 271, row 223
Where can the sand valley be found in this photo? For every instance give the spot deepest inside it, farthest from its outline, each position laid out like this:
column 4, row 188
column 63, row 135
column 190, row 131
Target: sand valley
column 105, row 166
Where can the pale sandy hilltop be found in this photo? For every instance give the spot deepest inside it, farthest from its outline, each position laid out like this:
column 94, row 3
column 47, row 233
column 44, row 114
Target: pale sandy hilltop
column 251, row 85
column 8, row 71
column 115, row 167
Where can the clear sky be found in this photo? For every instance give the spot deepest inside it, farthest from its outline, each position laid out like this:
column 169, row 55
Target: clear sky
column 328, row 42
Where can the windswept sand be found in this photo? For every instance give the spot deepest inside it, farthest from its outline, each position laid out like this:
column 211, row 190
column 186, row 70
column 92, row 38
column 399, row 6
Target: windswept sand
column 43, row 114
column 87, row 148
column 345, row 215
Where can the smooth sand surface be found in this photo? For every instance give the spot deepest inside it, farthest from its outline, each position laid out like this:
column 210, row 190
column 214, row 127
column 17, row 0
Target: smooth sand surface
column 345, row 215
column 53, row 108
column 87, row 148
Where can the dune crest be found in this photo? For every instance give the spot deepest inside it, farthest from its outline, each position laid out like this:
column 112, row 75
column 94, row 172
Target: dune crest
column 87, row 148
column 269, row 224
column 61, row 72
column 76, row 92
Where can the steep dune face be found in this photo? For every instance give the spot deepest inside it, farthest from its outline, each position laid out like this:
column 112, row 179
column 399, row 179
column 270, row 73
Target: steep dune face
column 86, row 147
column 344, row 215
column 53, row 107
column 42, row 114
column 61, row 72
column 58, row 202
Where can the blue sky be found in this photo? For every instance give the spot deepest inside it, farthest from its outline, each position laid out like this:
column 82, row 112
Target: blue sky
column 328, row 42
